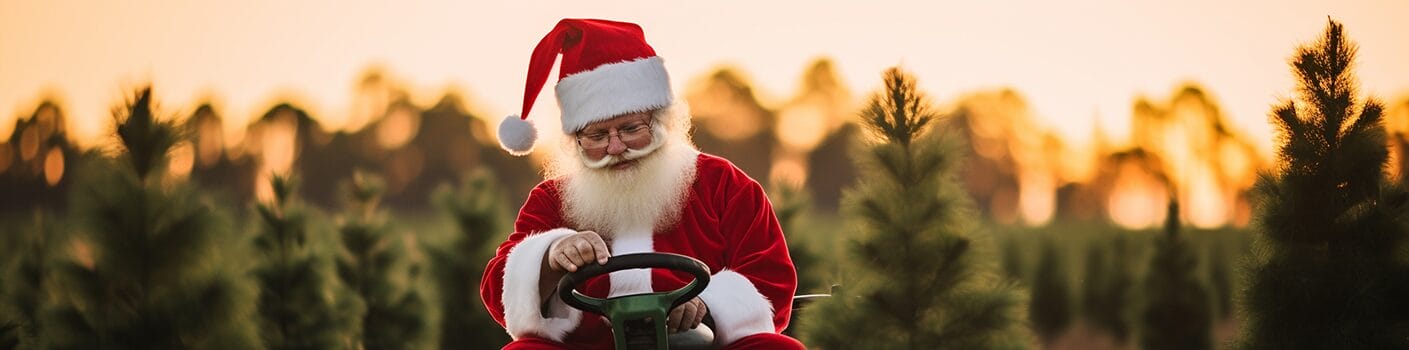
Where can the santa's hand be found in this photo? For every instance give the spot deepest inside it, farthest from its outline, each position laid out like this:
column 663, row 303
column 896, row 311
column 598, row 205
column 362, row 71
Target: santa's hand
column 577, row 250
column 686, row 316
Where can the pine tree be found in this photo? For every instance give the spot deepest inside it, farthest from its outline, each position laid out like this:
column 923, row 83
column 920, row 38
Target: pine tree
column 1220, row 282
column 1177, row 314
column 477, row 208
column 920, row 278
column 377, row 262
column 1051, row 312
column 10, row 333
column 302, row 303
column 27, row 255
column 791, row 204
column 1328, row 264
column 160, row 266
column 1109, row 282
column 1014, row 263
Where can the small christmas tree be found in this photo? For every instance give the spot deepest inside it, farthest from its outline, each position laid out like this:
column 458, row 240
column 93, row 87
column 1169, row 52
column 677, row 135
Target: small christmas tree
column 1177, row 314
column 1014, row 263
column 477, row 207
column 158, row 265
column 302, row 304
column 1328, row 267
column 28, row 252
column 1051, row 295
column 378, row 263
column 1220, row 282
column 1107, row 296
column 10, row 333
column 920, row 274
column 791, row 204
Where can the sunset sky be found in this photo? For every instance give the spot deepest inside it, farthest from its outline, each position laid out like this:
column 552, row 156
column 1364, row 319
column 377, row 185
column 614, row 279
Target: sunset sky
column 1074, row 60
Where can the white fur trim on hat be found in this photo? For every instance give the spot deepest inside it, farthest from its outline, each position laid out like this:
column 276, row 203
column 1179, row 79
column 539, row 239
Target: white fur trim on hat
column 523, row 308
column 611, row 90
column 737, row 307
column 517, row 135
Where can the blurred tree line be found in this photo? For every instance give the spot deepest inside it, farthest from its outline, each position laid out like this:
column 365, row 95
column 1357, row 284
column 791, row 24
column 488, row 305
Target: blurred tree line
column 1097, row 286
column 1017, row 171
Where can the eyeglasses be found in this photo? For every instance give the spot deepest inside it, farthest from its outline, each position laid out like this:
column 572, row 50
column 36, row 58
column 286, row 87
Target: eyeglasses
column 628, row 134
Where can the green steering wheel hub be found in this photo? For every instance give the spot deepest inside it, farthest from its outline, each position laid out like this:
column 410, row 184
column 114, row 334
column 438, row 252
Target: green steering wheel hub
column 638, row 320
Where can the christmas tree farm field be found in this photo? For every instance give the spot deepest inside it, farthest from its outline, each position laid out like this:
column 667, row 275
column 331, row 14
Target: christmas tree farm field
column 1088, row 282
column 143, row 257
column 143, row 260
column 285, row 268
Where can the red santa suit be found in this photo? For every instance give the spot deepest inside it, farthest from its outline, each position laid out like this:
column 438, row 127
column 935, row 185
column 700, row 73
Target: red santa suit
column 725, row 221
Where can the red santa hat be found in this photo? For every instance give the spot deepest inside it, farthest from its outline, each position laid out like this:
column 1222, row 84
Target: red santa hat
column 607, row 70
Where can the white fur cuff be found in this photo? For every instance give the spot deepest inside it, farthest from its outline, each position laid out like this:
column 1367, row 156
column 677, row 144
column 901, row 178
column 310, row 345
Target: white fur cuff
column 523, row 312
column 737, row 307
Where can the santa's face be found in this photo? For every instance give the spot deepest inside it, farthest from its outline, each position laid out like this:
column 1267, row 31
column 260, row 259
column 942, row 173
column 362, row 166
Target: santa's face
column 627, row 174
column 618, row 143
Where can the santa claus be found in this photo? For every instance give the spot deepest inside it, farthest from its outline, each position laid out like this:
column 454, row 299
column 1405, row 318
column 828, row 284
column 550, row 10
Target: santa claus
column 629, row 181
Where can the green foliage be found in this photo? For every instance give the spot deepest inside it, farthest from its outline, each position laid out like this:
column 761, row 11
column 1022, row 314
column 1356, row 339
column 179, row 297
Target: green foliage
column 145, row 139
column 302, row 303
column 24, row 259
column 919, row 279
column 1220, row 283
column 157, row 268
column 1109, row 294
column 1328, row 268
column 382, row 267
column 477, row 208
column 1178, row 314
column 1051, row 310
column 1014, row 263
column 900, row 113
column 10, row 334
column 791, row 203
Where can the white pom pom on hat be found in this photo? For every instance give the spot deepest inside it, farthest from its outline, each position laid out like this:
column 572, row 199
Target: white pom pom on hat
column 517, row 135
column 607, row 69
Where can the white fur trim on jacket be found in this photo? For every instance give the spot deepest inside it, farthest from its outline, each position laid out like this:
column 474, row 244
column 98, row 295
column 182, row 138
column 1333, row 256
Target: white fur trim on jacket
column 523, row 313
column 737, row 307
column 633, row 281
column 613, row 89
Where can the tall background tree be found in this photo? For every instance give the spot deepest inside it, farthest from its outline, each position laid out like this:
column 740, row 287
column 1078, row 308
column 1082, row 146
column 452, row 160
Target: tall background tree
column 792, row 204
column 383, row 266
column 477, row 208
column 1328, row 266
column 302, row 303
column 920, row 279
column 28, row 251
column 1109, row 288
column 1051, row 309
column 157, row 265
column 1177, row 314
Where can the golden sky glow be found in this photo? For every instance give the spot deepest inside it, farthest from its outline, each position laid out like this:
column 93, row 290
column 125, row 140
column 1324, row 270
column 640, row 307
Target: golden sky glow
column 1075, row 60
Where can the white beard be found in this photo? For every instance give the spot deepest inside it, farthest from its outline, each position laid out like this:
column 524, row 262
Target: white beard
column 633, row 201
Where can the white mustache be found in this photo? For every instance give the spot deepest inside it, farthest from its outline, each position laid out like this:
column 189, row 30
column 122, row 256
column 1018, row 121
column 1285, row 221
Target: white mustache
column 658, row 139
column 610, row 160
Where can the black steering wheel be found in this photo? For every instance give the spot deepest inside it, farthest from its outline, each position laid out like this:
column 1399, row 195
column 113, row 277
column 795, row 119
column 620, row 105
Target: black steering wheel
column 638, row 320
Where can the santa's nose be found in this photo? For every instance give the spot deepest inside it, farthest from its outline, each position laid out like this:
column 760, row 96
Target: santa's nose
column 615, row 146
